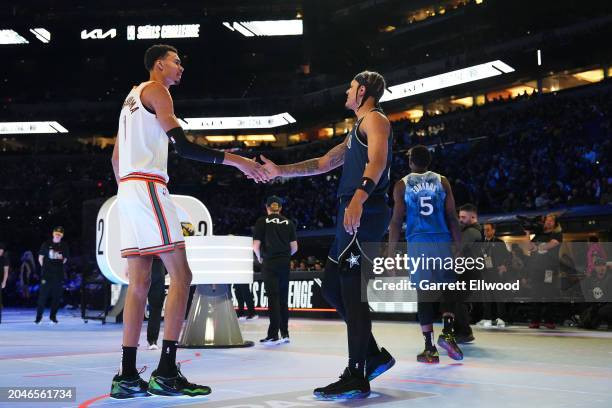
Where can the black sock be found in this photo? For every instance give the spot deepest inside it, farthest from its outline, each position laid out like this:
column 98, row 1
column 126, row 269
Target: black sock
column 373, row 349
column 449, row 322
column 428, row 336
column 357, row 367
column 167, row 361
column 128, row 361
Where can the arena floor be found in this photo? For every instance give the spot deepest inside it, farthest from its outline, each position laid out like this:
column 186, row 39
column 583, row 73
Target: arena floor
column 515, row 367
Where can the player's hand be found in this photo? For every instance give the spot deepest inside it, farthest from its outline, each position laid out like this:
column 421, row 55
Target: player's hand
column 352, row 216
column 252, row 170
column 271, row 169
column 3, row 285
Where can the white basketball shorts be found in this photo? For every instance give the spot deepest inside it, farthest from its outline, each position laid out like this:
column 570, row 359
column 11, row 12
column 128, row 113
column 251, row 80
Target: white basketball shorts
column 149, row 223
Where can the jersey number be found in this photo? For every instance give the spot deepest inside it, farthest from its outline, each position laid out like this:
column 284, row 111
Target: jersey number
column 426, row 207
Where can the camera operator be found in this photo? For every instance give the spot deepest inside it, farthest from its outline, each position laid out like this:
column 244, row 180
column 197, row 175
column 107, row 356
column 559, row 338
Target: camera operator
column 543, row 268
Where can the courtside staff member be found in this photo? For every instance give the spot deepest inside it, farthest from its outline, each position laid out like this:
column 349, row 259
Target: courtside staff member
column 274, row 241
column 52, row 256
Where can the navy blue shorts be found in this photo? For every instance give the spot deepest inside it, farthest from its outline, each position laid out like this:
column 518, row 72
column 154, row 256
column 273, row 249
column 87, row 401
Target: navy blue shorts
column 373, row 227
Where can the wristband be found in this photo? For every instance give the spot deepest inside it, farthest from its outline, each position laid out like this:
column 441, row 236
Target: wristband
column 367, row 184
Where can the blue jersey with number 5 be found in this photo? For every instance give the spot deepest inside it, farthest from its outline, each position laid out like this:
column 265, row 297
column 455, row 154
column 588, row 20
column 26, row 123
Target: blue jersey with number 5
column 425, row 198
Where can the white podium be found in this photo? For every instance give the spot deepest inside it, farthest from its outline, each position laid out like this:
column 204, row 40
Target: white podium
column 215, row 261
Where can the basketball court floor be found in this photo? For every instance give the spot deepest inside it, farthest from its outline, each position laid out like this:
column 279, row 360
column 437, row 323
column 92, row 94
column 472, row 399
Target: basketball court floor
column 513, row 367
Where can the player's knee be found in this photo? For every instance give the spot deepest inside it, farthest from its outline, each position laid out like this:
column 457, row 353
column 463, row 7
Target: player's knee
column 184, row 277
column 140, row 284
column 330, row 291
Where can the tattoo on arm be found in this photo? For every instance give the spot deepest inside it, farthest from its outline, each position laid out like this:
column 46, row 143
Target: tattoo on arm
column 305, row 168
column 331, row 160
column 336, row 156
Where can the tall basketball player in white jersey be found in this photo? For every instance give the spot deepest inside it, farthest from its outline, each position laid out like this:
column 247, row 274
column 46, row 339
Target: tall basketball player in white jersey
column 149, row 222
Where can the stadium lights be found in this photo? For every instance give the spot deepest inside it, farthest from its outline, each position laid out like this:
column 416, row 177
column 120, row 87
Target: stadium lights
column 11, row 37
column 236, row 122
column 267, row 28
column 42, row 34
column 446, row 80
column 27, row 128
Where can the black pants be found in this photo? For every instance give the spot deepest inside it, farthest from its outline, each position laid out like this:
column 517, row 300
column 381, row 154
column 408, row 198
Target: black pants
column 426, row 309
column 276, row 279
column 244, row 296
column 157, row 293
column 50, row 286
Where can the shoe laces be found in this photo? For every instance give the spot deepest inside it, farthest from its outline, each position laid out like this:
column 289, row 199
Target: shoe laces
column 181, row 379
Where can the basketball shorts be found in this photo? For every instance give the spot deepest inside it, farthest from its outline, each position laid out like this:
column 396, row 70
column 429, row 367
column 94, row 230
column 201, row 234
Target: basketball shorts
column 147, row 215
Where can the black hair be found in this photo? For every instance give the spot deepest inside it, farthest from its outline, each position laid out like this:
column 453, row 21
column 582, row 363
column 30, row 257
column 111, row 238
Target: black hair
column 420, row 156
column 491, row 224
column 469, row 207
column 374, row 84
column 155, row 52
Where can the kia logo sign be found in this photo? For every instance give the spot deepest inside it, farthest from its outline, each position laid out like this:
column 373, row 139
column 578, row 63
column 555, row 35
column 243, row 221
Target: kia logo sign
column 98, row 34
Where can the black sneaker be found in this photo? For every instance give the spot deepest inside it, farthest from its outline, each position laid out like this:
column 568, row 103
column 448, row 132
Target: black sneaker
column 448, row 343
column 176, row 386
column 54, row 320
column 129, row 387
column 464, row 338
column 378, row 364
column 270, row 340
column 284, row 339
column 429, row 356
column 350, row 386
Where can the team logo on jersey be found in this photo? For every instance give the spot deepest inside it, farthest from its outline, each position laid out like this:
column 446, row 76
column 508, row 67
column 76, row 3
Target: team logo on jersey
column 277, row 221
column 187, row 228
column 130, row 103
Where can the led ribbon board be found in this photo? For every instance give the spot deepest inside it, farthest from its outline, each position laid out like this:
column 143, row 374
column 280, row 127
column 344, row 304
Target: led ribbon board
column 237, row 122
column 25, row 128
column 153, row 32
column 446, row 80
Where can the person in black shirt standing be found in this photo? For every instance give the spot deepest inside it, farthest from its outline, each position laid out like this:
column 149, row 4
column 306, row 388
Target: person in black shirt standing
column 52, row 256
column 544, row 270
column 274, row 241
column 4, row 268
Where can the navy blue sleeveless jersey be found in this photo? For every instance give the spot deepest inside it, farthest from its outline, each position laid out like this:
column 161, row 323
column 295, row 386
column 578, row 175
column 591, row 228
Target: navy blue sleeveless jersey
column 355, row 160
column 425, row 206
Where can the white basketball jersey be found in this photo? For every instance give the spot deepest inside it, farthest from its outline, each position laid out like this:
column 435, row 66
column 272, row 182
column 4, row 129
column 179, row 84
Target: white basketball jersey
column 143, row 144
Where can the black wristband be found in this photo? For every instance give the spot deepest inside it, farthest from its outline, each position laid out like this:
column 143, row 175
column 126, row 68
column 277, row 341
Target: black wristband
column 367, row 184
column 193, row 151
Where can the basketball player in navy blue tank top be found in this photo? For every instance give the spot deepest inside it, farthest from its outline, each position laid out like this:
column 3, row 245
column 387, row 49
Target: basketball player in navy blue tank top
column 424, row 200
column 363, row 216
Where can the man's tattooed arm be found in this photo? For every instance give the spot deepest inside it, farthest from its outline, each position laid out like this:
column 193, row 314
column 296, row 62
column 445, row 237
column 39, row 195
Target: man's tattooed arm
column 332, row 159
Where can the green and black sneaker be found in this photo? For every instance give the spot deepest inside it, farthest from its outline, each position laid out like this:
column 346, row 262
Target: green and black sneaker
column 129, row 387
column 176, row 386
column 429, row 356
